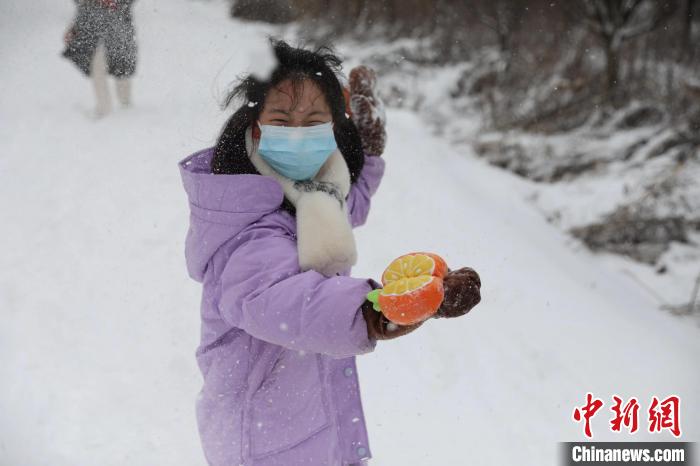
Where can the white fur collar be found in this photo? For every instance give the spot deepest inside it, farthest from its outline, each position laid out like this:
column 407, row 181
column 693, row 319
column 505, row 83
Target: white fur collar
column 325, row 240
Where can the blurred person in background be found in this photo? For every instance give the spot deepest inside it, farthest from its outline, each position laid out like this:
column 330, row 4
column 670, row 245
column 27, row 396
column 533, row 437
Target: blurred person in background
column 102, row 41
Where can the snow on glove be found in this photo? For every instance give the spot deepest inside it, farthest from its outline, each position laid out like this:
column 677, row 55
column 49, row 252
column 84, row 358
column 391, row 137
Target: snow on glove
column 462, row 292
column 367, row 110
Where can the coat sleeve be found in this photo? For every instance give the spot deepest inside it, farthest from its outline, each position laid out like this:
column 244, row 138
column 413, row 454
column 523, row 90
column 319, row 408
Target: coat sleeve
column 364, row 188
column 264, row 293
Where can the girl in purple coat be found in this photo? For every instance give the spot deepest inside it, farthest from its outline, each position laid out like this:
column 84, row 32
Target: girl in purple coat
column 272, row 208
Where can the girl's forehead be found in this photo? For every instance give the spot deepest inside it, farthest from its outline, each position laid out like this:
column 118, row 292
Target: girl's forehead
column 300, row 97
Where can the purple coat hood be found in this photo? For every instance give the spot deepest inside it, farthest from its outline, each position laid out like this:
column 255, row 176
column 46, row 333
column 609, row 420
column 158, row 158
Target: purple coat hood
column 221, row 206
column 278, row 345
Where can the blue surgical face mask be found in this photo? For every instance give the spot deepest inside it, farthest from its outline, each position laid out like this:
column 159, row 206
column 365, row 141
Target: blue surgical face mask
column 297, row 153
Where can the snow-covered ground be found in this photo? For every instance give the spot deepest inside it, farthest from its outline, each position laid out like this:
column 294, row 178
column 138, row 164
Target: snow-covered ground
column 99, row 322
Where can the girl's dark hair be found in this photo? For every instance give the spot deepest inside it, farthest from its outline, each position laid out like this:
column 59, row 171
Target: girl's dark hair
column 295, row 65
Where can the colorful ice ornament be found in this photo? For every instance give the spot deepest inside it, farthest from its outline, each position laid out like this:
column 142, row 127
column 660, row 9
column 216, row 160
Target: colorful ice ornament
column 413, row 289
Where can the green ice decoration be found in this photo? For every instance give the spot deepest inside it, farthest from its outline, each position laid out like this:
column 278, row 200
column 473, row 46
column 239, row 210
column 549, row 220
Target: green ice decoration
column 373, row 297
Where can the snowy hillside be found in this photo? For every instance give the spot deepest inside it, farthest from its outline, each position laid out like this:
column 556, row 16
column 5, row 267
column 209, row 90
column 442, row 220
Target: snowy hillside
column 99, row 321
column 622, row 181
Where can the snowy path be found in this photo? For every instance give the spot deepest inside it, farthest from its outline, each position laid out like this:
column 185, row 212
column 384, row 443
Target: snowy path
column 98, row 321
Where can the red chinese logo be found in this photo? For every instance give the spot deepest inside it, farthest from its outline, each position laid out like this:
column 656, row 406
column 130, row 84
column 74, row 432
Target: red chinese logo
column 589, row 409
column 627, row 416
column 663, row 414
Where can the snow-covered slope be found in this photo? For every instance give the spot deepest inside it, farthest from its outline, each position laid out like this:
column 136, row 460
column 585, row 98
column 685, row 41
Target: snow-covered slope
column 99, row 322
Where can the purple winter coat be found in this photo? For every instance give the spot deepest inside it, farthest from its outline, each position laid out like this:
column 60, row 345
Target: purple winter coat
column 278, row 345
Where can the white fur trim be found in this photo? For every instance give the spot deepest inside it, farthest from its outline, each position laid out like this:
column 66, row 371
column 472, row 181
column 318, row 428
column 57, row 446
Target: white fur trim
column 325, row 240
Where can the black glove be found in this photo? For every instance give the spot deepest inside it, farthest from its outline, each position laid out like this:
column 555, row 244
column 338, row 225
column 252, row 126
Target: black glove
column 462, row 293
column 367, row 110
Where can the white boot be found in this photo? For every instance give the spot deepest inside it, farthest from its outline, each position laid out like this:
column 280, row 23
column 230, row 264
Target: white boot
column 98, row 72
column 124, row 91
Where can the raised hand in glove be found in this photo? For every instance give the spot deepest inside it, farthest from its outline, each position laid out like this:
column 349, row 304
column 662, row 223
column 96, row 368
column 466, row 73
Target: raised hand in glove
column 367, row 110
column 462, row 293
